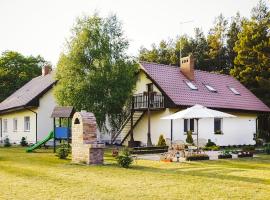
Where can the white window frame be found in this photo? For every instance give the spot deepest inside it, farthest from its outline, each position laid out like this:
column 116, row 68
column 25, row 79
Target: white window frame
column 210, row 88
column 15, row 122
column 191, row 85
column 27, row 124
column 221, row 126
column 5, row 125
column 234, row 91
column 194, row 132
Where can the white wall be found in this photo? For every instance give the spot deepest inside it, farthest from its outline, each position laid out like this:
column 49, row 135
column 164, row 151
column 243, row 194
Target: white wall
column 237, row 131
column 141, row 84
column 44, row 125
column 16, row 136
column 45, row 122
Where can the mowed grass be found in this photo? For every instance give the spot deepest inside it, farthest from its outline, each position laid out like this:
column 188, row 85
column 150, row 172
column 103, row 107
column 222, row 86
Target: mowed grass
column 42, row 175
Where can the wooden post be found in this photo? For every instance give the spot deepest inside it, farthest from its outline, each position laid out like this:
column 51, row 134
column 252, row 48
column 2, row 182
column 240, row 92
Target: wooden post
column 54, row 143
column 131, row 128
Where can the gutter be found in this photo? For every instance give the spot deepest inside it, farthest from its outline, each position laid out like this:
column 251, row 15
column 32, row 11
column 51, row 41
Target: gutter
column 36, row 120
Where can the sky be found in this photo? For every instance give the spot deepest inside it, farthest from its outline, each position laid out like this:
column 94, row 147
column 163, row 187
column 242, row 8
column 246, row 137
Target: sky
column 41, row 27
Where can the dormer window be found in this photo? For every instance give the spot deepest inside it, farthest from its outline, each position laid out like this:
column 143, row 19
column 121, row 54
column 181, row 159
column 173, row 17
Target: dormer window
column 234, row 91
column 191, row 85
column 210, row 88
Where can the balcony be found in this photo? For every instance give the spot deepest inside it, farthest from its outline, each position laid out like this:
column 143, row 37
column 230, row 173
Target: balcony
column 140, row 101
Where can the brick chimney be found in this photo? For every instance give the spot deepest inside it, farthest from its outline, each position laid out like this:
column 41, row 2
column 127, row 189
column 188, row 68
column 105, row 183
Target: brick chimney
column 46, row 69
column 187, row 67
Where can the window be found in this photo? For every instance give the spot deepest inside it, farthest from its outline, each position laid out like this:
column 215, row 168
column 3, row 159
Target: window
column 218, row 126
column 234, row 91
column 150, row 87
column 5, row 125
column 185, row 125
column 26, row 123
column 188, row 125
column 210, row 88
column 15, row 124
column 191, row 85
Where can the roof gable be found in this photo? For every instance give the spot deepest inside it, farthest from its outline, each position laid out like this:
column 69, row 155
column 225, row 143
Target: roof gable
column 28, row 93
column 172, row 82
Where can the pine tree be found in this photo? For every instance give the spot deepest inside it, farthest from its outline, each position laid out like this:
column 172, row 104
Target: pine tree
column 232, row 38
column 216, row 43
column 252, row 63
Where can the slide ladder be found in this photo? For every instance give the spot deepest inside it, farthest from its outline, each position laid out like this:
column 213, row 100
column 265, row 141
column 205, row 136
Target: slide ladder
column 38, row 144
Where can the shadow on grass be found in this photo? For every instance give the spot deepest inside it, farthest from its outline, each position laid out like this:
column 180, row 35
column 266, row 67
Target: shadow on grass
column 212, row 172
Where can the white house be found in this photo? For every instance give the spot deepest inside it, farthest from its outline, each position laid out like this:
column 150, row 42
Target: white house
column 172, row 88
column 27, row 112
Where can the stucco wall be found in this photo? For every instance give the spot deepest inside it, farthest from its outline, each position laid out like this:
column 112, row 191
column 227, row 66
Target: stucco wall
column 237, row 131
column 141, row 84
column 17, row 135
column 45, row 122
column 45, row 109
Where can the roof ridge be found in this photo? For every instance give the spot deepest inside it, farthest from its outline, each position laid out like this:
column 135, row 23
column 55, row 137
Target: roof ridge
column 214, row 72
column 158, row 64
column 166, row 65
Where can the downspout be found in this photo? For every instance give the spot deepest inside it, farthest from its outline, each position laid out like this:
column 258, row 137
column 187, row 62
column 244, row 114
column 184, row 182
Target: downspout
column 36, row 120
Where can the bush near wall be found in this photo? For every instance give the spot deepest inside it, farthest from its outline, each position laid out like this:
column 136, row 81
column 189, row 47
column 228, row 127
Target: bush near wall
column 224, row 156
column 197, row 157
column 245, row 154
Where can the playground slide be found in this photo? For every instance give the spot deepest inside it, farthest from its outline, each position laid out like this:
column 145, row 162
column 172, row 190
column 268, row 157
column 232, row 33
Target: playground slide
column 50, row 136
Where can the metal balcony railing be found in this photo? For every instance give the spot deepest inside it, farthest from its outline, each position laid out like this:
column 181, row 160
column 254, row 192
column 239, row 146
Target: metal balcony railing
column 140, row 101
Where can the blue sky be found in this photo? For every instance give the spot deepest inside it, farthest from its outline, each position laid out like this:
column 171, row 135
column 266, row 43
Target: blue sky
column 42, row 26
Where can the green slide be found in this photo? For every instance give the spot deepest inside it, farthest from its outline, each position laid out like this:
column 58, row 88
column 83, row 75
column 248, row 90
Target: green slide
column 33, row 147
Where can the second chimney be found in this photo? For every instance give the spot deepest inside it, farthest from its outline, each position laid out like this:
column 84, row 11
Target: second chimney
column 46, row 70
column 187, row 67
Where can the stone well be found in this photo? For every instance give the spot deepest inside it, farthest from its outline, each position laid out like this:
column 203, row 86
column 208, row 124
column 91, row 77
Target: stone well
column 85, row 148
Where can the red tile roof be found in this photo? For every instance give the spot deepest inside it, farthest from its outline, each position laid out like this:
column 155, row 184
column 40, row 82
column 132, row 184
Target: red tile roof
column 24, row 96
column 171, row 81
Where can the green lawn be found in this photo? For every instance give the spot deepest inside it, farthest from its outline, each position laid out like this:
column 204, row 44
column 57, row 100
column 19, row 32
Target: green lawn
column 43, row 176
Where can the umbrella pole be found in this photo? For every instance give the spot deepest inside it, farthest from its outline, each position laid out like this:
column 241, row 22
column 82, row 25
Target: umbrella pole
column 197, row 120
column 171, row 131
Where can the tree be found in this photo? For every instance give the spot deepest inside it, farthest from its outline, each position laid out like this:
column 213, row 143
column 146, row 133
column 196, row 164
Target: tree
column 232, row 38
column 16, row 70
column 216, row 42
column 253, row 53
column 94, row 73
column 163, row 54
column 200, row 50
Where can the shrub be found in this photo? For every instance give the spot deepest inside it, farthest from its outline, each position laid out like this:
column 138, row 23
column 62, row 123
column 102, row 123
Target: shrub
column 225, row 154
column 63, row 150
column 210, row 143
column 197, row 157
column 161, row 141
column 245, row 154
column 212, row 148
column 7, row 142
column 124, row 158
column 23, row 142
column 248, row 148
column 267, row 148
column 189, row 137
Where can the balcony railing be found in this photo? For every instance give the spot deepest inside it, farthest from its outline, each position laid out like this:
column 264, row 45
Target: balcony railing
column 140, row 101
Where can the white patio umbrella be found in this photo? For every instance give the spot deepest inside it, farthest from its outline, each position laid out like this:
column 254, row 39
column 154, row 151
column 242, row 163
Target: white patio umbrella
column 197, row 112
